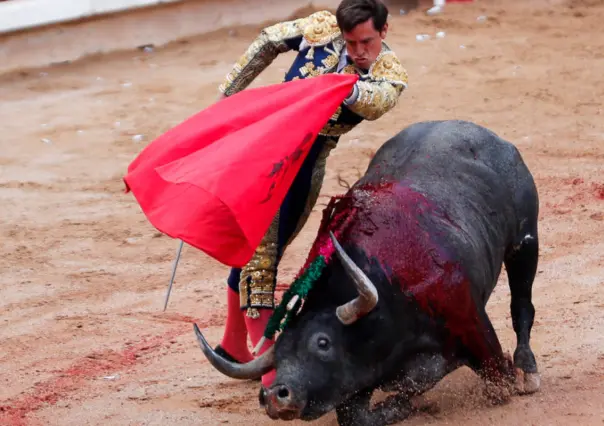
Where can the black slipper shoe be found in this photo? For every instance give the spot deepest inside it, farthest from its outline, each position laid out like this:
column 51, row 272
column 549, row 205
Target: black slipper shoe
column 224, row 354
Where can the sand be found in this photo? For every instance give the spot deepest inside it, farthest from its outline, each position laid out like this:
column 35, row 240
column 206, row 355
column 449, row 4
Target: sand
column 83, row 339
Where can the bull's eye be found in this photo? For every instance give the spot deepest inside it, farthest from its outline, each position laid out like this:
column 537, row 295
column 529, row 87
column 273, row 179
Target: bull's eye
column 323, row 343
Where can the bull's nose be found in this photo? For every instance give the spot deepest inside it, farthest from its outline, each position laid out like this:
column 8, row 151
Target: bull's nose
column 281, row 404
column 281, row 395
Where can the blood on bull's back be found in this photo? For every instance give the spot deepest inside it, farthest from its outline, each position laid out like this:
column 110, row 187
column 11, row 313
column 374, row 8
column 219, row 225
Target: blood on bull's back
column 410, row 237
column 474, row 183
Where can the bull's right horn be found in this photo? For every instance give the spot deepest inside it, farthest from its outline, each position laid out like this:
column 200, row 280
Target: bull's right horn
column 349, row 312
column 248, row 371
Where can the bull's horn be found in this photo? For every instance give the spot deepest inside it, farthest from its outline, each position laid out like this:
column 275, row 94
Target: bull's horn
column 248, row 371
column 368, row 295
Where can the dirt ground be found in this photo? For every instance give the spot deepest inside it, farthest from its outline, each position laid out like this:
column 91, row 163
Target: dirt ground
column 83, row 339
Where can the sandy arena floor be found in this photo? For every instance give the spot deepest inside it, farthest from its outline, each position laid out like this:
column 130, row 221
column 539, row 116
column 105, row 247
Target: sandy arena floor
column 83, row 339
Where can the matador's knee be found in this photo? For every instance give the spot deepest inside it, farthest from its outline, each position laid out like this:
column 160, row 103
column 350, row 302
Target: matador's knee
column 259, row 276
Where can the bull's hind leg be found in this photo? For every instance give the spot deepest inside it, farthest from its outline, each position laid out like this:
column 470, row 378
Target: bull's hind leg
column 521, row 265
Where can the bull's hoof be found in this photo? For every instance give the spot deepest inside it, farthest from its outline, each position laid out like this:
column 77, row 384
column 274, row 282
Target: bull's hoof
column 527, row 383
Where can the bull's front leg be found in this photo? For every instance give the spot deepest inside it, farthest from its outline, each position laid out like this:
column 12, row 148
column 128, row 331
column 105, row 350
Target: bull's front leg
column 418, row 375
column 357, row 412
column 488, row 360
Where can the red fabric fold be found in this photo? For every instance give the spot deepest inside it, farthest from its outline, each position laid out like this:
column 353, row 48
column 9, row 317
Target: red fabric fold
column 216, row 180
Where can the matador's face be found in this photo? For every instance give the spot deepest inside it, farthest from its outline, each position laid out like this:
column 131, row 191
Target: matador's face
column 364, row 43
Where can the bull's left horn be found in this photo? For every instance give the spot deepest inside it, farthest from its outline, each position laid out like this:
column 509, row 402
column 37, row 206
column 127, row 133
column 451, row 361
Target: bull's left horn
column 368, row 295
column 248, row 371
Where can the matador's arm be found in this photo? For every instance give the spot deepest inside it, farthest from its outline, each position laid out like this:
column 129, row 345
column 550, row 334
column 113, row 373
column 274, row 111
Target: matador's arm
column 378, row 92
column 316, row 29
column 272, row 41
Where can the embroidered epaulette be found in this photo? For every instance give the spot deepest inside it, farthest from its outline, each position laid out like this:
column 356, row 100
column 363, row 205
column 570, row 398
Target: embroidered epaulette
column 321, row 28
column 387, row 67
column 284, row 30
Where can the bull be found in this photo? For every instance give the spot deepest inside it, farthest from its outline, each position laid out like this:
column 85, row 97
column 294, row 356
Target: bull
column 419, row 243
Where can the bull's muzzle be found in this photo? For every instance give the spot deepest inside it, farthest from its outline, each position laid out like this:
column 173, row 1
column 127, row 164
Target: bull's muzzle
column 248, row 371
column 280, row 403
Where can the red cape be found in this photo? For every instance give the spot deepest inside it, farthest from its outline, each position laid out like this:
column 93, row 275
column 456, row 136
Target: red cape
column 217, row 180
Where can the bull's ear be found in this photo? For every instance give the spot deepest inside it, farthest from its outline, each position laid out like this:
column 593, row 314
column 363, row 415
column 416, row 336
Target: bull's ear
column 368, row 295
